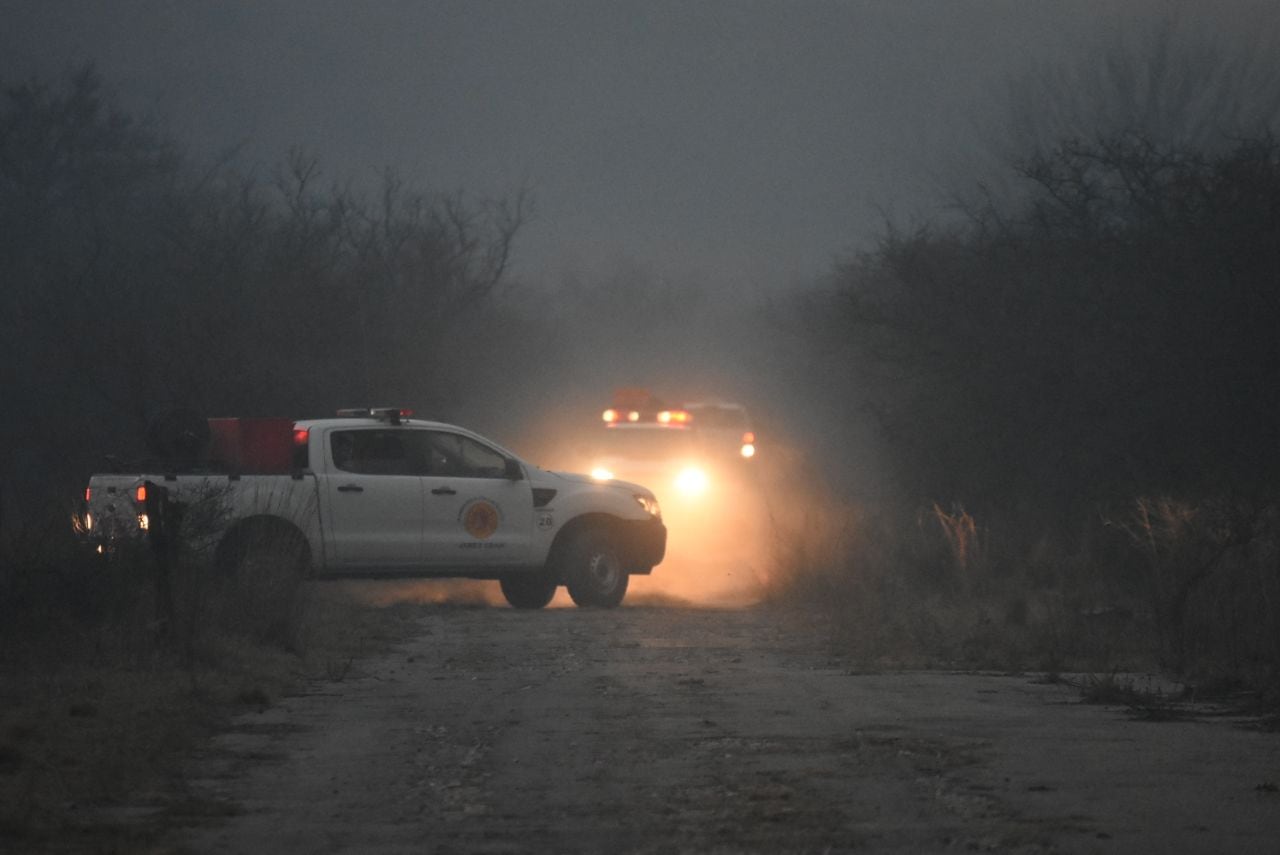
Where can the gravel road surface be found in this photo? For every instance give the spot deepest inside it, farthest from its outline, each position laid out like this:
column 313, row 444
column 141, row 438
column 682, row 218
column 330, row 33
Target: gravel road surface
column 662, row 729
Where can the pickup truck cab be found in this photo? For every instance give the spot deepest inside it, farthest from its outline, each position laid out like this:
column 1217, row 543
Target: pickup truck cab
column 375, row 493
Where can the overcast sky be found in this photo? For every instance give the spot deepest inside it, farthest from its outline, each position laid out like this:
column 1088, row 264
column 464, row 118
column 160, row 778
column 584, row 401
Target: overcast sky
column 742, row 142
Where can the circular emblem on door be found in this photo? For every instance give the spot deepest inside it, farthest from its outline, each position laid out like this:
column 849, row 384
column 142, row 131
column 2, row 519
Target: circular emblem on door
column 480, row 518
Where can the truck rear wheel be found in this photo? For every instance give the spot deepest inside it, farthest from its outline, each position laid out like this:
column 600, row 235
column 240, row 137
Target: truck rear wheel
column 265, row 565
column 528, row 592
column 257, row 550
column 593, row 570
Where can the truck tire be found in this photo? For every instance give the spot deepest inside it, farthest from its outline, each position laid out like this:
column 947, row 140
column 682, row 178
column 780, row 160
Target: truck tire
column 265, row 566
column 593, row 570
column 263, row 550
column 532, row 591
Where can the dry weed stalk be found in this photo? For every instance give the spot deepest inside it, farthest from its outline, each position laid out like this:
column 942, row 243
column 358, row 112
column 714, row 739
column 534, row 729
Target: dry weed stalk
column 961, row 532
column 1185, row 547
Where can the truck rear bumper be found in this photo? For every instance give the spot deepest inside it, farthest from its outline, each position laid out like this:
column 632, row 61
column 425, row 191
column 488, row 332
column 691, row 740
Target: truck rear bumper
column 644, row 543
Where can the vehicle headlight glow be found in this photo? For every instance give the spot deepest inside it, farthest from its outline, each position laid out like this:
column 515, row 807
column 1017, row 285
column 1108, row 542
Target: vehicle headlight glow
column 748, row 450
column 692, row 481
column 601, row 474
column 650, row 505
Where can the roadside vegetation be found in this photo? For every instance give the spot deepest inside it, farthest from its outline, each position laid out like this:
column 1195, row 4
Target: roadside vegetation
column 104, row 691
column 1072, row 382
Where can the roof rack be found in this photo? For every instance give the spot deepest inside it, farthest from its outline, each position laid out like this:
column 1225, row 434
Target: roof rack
column 386, row 414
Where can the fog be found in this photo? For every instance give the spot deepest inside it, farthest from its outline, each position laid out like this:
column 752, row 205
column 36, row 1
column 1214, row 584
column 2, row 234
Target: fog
column 745, row 145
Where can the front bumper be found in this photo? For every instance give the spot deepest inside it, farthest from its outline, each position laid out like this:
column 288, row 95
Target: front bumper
column 644, row 543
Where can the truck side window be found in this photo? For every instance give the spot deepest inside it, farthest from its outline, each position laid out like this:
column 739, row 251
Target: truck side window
column 455, row 456
column 343, row 447
column 379, row 452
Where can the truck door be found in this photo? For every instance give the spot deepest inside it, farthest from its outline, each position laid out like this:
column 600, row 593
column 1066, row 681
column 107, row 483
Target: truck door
column 373, row 498
column 475, row 515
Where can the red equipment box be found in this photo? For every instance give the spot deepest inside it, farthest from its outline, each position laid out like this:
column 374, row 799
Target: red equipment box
column 252, row 446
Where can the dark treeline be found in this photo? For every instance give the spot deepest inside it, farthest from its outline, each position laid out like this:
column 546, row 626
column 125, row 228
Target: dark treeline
column 1075, row 392
column 136, row 278
column 1110, row 335
column 1098, row 320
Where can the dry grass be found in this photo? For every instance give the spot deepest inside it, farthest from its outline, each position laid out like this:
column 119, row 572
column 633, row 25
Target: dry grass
column 1210, row 574
column 1187, row 588
column 932, row 589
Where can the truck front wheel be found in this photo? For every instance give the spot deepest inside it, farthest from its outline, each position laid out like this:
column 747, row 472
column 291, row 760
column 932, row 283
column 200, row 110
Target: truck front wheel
column 593, row 570
column 528, row 592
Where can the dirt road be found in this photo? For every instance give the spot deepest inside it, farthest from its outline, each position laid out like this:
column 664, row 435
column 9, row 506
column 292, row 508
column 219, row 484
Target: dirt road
column 650, row 729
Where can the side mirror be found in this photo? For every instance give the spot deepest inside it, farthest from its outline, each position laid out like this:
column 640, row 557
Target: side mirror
column 513, row 472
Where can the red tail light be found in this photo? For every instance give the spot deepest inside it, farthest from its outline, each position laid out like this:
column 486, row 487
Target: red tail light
column 141, row 493
column 301, row 438
column 88, row 493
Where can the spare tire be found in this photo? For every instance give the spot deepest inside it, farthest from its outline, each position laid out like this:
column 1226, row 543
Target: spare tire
column 178, row 435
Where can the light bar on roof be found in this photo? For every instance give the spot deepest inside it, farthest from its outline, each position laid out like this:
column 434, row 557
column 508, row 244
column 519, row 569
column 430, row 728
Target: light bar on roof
column 392, row 414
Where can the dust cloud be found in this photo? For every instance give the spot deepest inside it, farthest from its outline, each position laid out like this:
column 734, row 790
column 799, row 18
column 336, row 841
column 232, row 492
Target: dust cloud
column 539, row 381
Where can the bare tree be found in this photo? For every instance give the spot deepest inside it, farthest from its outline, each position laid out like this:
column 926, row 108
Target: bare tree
column 1173, row 83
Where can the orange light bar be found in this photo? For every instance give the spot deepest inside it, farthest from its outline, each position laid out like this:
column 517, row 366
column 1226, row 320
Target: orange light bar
column 610, row 415
column 141, row 494
column 674, row 417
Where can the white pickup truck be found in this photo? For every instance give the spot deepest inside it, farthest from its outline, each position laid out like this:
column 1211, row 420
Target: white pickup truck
column 375, row 493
